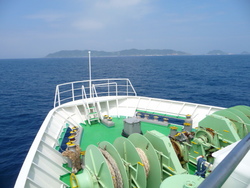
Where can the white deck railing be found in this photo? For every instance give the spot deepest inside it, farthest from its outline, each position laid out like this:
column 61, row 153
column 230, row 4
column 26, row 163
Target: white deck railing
column 72, row 91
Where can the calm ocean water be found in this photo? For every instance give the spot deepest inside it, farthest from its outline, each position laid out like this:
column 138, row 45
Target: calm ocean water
column 28, row 85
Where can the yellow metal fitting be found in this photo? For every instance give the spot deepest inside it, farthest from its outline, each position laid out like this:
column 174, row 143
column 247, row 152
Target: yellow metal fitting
column 71, row 136
column 82, row 152
column 178, row 134
column 73, row 181
column 72, row 132
column 140, row 163
column 68, row 143
column 171, row 168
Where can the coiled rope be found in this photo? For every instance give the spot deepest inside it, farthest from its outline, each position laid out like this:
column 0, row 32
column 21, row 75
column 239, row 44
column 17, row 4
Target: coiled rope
column 144, row 160
column 114, row 170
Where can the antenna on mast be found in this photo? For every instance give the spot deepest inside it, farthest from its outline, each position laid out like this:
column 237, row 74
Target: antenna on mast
column 90, row 84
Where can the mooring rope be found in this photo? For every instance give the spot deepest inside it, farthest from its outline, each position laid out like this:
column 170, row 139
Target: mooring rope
column 74, row 156
column 144, row 160
column 114, row 170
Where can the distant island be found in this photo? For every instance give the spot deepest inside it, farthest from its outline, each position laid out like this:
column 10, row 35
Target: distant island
column 245, row 53
column 130, row 52
column 217, row 52
column 220, row 52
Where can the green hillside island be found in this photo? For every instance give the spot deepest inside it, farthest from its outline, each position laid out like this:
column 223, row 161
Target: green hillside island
column 217, row 52
column 220, row 52
column 130, row 52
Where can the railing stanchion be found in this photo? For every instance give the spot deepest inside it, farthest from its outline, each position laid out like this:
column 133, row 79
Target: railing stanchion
column 55, row 99
column 90, row 84
column 116, row 90
column 59, row 100
column 72, row 88
column 108, row 89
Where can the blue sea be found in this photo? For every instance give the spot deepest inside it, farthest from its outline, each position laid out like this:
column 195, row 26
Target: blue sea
column 28, row 86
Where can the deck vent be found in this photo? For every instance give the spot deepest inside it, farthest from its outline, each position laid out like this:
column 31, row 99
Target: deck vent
column 131, row 125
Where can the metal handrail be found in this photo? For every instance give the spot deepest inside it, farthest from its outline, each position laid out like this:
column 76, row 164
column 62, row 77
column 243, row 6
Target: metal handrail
column 221, row 173
column 72, row 91
column 105, row 85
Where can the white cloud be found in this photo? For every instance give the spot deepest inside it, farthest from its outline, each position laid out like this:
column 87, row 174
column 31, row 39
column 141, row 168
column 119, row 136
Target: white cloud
column 88, row 25
column 110, row 14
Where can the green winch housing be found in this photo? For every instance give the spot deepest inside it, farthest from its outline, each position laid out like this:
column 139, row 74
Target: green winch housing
column 155, row 159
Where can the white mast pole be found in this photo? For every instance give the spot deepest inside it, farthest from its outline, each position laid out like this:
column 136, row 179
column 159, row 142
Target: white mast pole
column 90, row 89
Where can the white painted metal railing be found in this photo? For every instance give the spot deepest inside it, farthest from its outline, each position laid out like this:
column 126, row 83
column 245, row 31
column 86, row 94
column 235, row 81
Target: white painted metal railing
column 72, row 91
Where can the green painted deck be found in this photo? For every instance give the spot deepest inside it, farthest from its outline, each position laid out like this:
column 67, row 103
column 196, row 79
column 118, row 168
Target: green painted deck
column 95, row 133
column 66, row 177
column 98, row 132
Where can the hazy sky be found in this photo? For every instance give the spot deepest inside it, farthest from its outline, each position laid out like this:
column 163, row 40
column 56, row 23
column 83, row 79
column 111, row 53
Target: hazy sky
column 34, row 28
